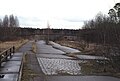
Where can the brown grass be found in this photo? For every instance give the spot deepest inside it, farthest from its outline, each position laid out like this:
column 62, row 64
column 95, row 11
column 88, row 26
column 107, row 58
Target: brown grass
column 82, row 46
column 7, row 44
column 27, row 72
column 34, row 48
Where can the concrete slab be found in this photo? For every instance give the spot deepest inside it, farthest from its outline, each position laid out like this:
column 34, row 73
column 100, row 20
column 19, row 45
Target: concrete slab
column 11, row 69
column 43, row 48
column 9, row 77
column 53, row 56
column 11, row 63
column 81, row 78
column 91, row 57
column 16, row 58
column 5, row 80
column 18, row 54
column 26, row 47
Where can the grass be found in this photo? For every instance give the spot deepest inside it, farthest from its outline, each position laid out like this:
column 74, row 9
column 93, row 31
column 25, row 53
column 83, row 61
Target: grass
column 34, row 47
column 83, row 47
column 16, row 43
column 27, row 73
column 25, row 70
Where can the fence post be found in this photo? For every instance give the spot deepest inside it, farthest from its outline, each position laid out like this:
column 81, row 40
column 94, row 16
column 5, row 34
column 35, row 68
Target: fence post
column 6, row 56
column 13, row 49
column 10, row 52
column 0, row 60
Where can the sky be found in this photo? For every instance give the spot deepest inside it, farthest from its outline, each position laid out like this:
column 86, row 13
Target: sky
column 61, row 14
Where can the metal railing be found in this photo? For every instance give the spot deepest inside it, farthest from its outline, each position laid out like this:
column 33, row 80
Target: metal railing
column 6, row 54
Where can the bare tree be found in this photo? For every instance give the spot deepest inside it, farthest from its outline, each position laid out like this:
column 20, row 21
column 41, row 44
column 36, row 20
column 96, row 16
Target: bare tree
column 16, row 21
column 5, row 21
column 0, row 22
column 11, row 21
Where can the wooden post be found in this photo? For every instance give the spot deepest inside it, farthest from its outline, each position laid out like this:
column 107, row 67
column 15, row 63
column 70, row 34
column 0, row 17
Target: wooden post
column 13, row 49
column 0, row 60
column 6, row 55
column 10, row 52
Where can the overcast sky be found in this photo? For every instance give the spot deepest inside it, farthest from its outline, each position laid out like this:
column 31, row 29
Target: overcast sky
column 68, row 14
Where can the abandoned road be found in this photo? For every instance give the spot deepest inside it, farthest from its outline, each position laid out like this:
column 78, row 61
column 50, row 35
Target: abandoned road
column 50, row 63
column 56, row 66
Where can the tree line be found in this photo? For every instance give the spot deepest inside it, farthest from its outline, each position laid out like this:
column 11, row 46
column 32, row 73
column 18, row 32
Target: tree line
column 9, row 27
column 9, row 21
column 103, row 29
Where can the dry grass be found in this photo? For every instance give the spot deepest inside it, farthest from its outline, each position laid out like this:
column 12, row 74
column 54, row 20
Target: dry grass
column 73, row 44
column 34, row 48
column 7, row 44
column 27, row 72
column 82, row 46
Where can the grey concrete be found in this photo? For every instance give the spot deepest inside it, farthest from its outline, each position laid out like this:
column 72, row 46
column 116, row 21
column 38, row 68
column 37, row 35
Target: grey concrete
column 9, row 77
column 10, row 69
column 25, row 48
column 18, row 54
column 15, row 58
column 54, row 56
column 43, row 48
column 7, row 80
column 90, row 57
column 81, row 78
column 11, row 63
column 64, row 48
column 51, row 66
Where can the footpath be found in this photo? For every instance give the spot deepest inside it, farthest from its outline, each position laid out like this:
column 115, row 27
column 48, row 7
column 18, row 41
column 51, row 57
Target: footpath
column 18, row 68
column 31, row 69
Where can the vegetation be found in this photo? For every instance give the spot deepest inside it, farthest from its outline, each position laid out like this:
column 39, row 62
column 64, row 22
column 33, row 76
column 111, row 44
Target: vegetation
column 100, row 36
column 26, row 72
column 16, row 43
column 11, row 21
column 104, row 31
column 34, row 47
